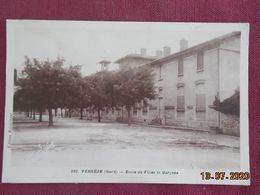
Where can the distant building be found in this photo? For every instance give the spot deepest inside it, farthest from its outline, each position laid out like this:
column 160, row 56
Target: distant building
column 104, row 64
column 189, row 81
column 135, row 60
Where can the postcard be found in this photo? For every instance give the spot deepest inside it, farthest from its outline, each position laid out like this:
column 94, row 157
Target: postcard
column 126, row 102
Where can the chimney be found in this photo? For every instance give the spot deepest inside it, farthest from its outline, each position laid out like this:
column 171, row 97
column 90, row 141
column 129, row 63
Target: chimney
column 15, row 76
column 166, row 51
column 159, row 54
column 143, row 51
column 183, row 44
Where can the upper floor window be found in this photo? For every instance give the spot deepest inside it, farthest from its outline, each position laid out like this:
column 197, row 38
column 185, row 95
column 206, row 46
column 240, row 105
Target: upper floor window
column 180, row 67
column 200, row 61
column 160, row 73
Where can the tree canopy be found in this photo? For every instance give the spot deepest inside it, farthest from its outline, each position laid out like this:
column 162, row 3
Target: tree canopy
column 51, row 85
column 230, row 105
column 46, row 85
column 134, row 86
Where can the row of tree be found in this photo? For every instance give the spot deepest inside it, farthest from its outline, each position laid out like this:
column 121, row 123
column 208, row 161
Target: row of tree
column 50, row 85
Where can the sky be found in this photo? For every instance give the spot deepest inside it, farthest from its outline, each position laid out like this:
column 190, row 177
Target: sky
column 87, row 42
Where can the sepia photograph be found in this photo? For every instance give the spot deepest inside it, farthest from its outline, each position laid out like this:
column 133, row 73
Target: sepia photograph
column 126, row 102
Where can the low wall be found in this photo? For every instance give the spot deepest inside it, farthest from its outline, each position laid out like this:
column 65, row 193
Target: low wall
column 229, row 124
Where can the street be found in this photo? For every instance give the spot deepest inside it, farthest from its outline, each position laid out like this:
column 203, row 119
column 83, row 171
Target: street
column 73, row 142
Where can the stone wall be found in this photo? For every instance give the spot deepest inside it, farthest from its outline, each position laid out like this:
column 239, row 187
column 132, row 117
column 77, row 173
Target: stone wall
column 229, row 124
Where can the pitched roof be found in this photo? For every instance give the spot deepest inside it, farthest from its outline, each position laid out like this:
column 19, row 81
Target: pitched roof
column 204, row 45
column 135, row 56
column 104, row 62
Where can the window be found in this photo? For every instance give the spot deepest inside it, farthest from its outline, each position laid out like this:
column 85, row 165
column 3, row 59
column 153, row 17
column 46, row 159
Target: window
column 200, row 98
column 160, row 73
column 180, row 103
column 200, row 103
column 160, row 95
column 180, row 67
column 169, row 107
column 145, row 109
column 152, row 107
column 180, row 99
column 200, row 61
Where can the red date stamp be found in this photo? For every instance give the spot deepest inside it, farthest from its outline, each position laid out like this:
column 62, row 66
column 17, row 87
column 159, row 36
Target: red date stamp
column 225, row 176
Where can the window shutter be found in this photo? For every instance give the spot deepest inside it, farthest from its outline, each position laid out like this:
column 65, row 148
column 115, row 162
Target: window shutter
column 180, row 66
column 180, row 103
column 200, row 61
column 200, row 103
column 160, row 71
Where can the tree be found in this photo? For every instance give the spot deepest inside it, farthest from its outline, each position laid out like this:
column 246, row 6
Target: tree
column 230, row 105
column 134, row 86
column 83, row 96
column 26, row 96
column 100, row 87
column 78, row 90
column 23, row 99
column 46, row 84
column 50, row 85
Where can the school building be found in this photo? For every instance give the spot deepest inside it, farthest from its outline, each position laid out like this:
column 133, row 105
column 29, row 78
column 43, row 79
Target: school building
column 188, row 82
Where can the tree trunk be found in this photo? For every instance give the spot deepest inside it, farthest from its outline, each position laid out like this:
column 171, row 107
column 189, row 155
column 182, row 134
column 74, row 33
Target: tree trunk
column 61, row 113
column 129, row 115
column 33, row 114
column 91, row 114
column 69, row 113
column 50, row 117
column 99, row 117
column 40, row 115
column 81, row 113
column 122, row 109
column 55, row 112
column 28, row 114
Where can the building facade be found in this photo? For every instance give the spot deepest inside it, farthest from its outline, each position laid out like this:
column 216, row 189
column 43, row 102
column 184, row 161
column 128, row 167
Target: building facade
column 189, row 81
